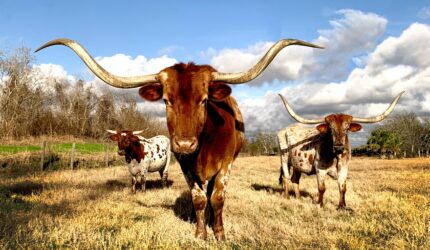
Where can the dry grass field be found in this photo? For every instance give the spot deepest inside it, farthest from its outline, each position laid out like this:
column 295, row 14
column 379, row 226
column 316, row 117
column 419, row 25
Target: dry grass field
column 93, row 208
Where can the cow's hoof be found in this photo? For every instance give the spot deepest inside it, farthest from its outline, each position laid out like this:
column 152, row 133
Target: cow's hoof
column 201, row 235
column 220, row 236
column 344, row 208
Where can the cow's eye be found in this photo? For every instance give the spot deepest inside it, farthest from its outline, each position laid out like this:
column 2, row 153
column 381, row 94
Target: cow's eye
column 167, row 102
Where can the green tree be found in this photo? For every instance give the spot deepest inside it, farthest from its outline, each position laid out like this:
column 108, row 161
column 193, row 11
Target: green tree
column 384, row 141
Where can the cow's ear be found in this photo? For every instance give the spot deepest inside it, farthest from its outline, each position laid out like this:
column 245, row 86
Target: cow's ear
column 151, row 92
column 114, row 137
column 354, row 127
column 323, row 128
column 219, row 91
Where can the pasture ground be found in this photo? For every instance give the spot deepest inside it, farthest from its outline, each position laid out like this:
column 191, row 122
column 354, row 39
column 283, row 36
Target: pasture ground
column 93, row 208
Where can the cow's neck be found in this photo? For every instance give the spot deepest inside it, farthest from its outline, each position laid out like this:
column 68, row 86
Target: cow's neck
column 326, row 148
column 134, row 152
column 347, row 146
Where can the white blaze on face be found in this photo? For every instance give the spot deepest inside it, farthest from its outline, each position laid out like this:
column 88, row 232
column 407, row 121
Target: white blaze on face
column 123, row 134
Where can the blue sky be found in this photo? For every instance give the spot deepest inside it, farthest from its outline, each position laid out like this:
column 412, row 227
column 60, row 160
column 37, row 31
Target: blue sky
column 147, row 27
column 360, row 37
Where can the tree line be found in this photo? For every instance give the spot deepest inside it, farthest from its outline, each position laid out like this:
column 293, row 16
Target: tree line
column 32, row 104
column 402, row 135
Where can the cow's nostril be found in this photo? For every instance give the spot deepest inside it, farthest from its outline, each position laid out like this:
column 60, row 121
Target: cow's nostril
column 185, row 145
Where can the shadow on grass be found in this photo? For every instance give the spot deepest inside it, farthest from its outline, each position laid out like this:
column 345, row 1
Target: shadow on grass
column 157, row 184
column 277, row 190
column 118, row 185
column 183, row 207
column 23, row 188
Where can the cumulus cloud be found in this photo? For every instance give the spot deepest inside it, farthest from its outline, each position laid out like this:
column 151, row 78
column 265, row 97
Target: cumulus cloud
column 350, row 36
column 345, row 43
column 55, row 71
column 396, row 64
column 125, row 65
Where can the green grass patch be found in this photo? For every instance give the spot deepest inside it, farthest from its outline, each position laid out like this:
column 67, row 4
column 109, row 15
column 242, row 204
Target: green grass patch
column 85, row 148
column 13, row 149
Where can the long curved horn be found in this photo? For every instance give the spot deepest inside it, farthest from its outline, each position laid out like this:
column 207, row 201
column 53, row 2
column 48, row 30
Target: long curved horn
column 383, row 115
column 297, row 117
column 99, row 71
column 138, row 132
column 242, row 77
column 111, row 131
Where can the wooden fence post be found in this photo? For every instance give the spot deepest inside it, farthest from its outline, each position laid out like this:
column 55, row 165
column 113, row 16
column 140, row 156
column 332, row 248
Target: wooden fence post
column 106, row 155
column 72, row 159
column 42, row 158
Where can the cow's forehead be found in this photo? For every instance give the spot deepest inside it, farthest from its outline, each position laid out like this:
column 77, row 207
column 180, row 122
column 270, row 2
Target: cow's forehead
column 185, row 80
column 338, row 118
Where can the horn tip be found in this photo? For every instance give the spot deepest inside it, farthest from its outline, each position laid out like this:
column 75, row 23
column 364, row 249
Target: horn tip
column 57, row 41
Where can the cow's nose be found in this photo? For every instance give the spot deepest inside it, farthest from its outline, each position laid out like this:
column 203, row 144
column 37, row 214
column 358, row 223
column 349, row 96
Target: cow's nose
column 339, row 148
column 185, row 145
column 121, row 152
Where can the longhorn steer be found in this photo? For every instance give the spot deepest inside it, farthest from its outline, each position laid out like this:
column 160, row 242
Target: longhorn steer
column 205, row 124
column 324, row 150
column 143, row 155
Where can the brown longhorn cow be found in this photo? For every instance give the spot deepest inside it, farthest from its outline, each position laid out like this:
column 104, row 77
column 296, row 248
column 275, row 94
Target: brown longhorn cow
column 205, row 124
column 324, row 150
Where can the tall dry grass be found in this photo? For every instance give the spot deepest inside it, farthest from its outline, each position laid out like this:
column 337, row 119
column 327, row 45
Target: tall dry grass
column 93, row 208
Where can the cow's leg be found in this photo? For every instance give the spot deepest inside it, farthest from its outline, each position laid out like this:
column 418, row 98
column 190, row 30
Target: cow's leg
column 199, row 201
column 163, row 176
column 321, row 186
column 143, row 175
column 295, row 179
column 217, row 201
column 133, row 184
column 341, row 181
column 285, row 173
column 165, row 170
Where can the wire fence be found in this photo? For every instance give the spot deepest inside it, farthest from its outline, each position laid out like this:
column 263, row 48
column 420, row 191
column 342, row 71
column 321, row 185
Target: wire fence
column 54, row 156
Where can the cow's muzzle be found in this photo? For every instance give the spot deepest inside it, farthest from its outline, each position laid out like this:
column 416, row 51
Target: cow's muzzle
column 338, row 149
column 121, row 151
column 184, row 145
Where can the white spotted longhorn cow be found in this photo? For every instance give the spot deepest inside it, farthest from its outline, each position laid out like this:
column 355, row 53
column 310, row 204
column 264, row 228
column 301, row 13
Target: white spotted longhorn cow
column 143, row 155
column 322, row 150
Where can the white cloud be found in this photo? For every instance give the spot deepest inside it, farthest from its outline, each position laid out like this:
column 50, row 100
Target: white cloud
column 396, row 64
column 50, row 70
column 345, row 43
column 124, row 65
